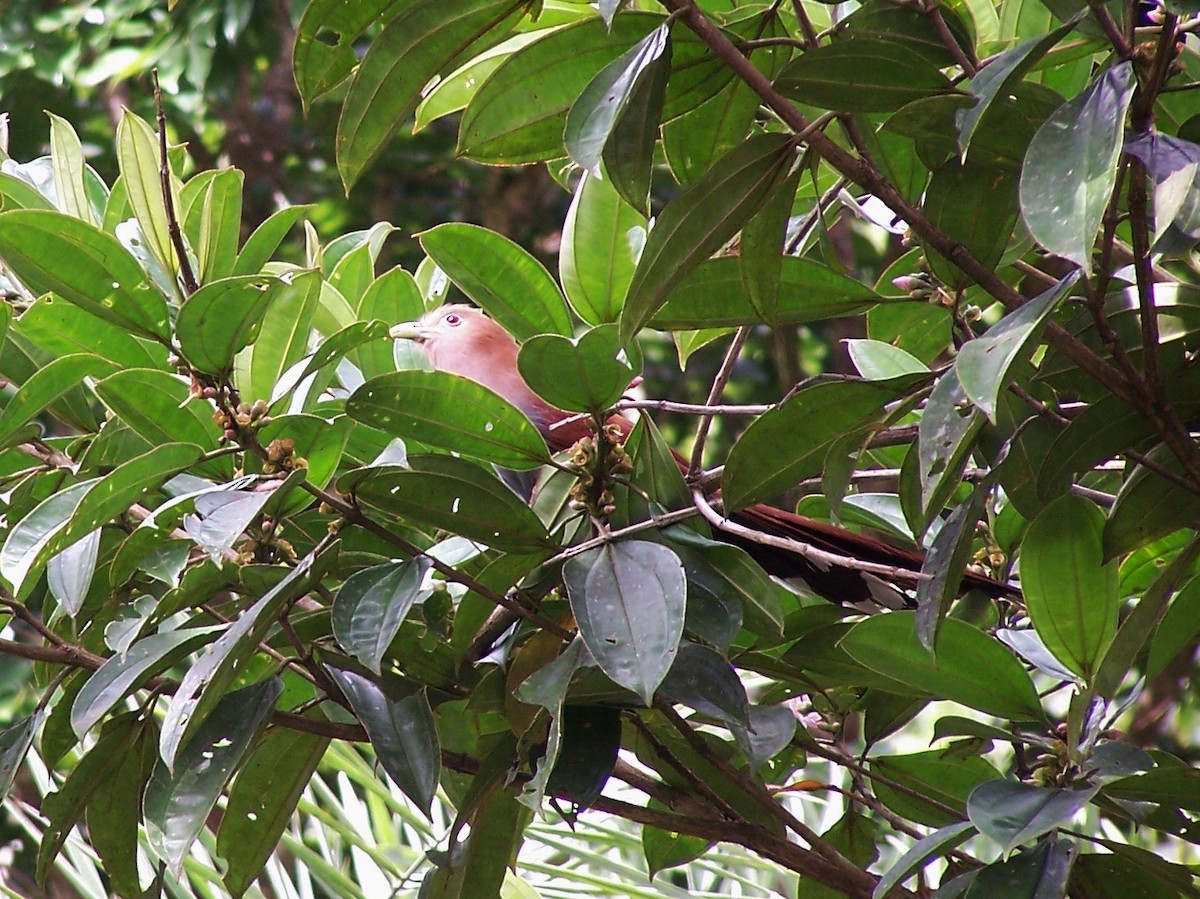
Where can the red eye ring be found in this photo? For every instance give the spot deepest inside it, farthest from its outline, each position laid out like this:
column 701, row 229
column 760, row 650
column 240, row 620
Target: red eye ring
column 453, row 319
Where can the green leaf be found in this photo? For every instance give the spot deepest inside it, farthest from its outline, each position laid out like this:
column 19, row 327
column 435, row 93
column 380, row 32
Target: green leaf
column 324, row 51
column 15, row 741
column 217, row 215
column 1148, row 506
column 122, row 673
column 509, row 284
column 46, row 386
column 1178, row 629
column 824, row 413
column 1042, row 871
column 372, row 604
column 455, row 495
column 984, row 366
column 1013, row 813
column 64, row 807
column 1071, row 166
column 202, row 691
column 454, row 92
column 103, row 277
column 862, row 74
column 876, row 360
column 69, row 573
column 452, row 413
column 629, row 151
column 282, row 337
column 695, row 225
column 115, row 810
column 137, row 154
column 425, row 39
column 519, row 113
column 930, row 787
column 591, row 739
column 976, row 204
column 67, row 154
column 262, row 800
column 945, row 436
column 392, row 297
column 715, row 296
column 57, row 522
column 221, row 318
column 18, row 194
column 402, row 731
column 61, row 329
column 594, row 116
column 179, row 798
column 629, row 600
column 1070, row 592
column 262, row 244
column 702, row 679
column 760, row 254
column 920, row 854
column 999, row 75
column 587, row 374
column 602, row 241
column 970, row 667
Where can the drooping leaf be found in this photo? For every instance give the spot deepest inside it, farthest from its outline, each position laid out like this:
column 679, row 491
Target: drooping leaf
column 1071, row 166
column 1014, row 813
column 700, row 678
column 15, row 741
column 401, row 728
column 180, row 797
column 1070, row 592
column 324, row 55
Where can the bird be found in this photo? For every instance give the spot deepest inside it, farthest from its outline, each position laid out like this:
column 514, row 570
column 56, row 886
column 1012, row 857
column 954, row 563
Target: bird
column 462, row 340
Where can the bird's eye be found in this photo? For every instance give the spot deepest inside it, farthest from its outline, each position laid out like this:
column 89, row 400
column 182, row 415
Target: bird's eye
column 453, row 319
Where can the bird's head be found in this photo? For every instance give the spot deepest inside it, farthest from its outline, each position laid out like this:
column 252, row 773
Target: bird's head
column 462, row 340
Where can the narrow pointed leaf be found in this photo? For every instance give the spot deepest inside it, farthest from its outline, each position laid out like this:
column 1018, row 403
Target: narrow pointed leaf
column 138, row 156
column 221, row 318
column 1071, row 166
column 67, row 153
column 694, row 226
column 402, row 732
column 45, row 387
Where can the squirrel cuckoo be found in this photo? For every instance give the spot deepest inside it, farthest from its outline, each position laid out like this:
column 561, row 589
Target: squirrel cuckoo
column 462, row 340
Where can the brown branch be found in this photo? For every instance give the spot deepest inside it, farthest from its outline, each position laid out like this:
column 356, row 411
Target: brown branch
column 190, row 285
column 714, row 395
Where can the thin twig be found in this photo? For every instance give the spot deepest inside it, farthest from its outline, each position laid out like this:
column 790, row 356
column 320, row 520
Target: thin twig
column 714, row 394
column 190, row 285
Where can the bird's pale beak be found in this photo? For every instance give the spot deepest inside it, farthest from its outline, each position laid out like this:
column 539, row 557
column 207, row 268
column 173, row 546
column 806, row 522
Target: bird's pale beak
column 409, row 331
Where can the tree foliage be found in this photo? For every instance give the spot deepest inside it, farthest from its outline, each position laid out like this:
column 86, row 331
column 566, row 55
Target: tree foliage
column 240, row 522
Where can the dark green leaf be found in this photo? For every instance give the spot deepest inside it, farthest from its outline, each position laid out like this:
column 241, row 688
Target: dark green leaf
column 262, row 800
column 45, row 387
column 1037, row 873
column 984, row 366
column 519, row 113
column 769, row 732
column 695, row 225
column 629, row 600
column 945, row 437
column 221, row 318
column 371, row 606
column 976, row 204
column 15, row 741
column 202, row 690
column 922, row 852
column 401, row 729
column 591, row 738
column 1070, row 592
column 1148, row 506
column 970, row 667
column 509, row 284
column 862, row 74
column 424, row 39
column 715, row 296
column 179, row 798
column 124, row 672
column 702, row 679
column 1013, row 813
column 456, row 495
column 823, row 413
